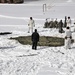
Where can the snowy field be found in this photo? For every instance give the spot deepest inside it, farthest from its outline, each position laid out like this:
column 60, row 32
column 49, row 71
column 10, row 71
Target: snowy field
column 18, row 59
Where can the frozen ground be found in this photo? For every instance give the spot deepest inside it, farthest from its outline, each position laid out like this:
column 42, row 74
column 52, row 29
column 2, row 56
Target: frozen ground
column 17, row 59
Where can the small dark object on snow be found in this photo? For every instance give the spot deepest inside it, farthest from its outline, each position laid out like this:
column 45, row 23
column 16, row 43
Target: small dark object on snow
column 5, row 33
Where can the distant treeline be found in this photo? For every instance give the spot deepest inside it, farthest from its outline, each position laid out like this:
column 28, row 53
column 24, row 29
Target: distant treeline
column 11, row 1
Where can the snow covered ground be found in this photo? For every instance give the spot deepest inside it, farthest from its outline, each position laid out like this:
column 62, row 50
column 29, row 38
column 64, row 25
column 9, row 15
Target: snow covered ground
column 17, row 59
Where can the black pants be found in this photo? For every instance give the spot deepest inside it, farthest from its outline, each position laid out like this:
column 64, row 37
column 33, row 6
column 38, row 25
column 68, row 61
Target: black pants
column 34, row 45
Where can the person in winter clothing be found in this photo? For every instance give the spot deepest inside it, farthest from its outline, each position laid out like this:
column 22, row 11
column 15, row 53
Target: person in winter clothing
column 51, row 23
column 31, row 24
column 69, row 22
column 74, row 25
column 56, row 23
column 46, row 24
column 68, row 38
column 35, row 39
column 60, row 26
column 65, row 22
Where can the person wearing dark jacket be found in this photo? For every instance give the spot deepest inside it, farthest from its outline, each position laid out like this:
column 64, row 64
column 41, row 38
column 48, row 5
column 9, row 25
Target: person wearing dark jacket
column 35, row 39
column 65, row 22
column 46, row 24
column 60, row 26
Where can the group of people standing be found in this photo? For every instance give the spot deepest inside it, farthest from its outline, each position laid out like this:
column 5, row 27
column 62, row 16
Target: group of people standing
column 35, row 34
